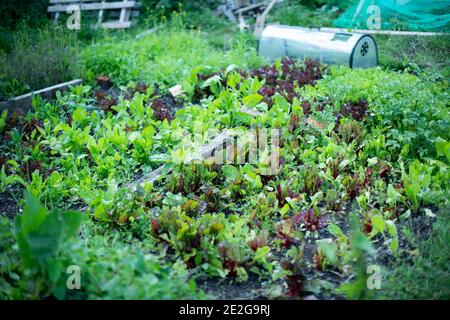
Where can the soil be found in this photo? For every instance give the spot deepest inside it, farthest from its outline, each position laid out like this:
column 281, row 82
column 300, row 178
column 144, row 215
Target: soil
column 165, row 107
column 226, row 289
column 8, row 205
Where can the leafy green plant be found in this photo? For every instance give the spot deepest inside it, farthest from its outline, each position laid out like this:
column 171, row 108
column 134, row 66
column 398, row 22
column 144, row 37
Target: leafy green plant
column 327, row 254
column 293, row 266
column 41, row 237
column 360, row 249
column 343, row 136
column 333, row 252
column 9, row 180
column 442, row 148
column 127, row 61
column 381, row 225
column 416, row 182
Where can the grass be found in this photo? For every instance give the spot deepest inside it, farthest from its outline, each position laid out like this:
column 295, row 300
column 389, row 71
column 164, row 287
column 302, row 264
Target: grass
column 427, row 276
column 400, row 52
column 165, row 57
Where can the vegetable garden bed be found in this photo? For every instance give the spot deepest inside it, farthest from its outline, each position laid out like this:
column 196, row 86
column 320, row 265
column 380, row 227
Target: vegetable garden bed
column 362, row 175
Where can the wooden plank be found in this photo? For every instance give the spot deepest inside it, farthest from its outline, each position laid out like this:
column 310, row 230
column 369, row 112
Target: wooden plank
column 23, row 102
column 115, row 25
column 386, row 32
column 124, row 14
column 94, row 6
column 207, row 150
column 251, row 112
column 135, row 10
column 116, row 14
column 150, row 178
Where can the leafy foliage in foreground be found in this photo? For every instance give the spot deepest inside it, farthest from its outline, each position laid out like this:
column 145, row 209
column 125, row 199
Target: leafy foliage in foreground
column 110, row 268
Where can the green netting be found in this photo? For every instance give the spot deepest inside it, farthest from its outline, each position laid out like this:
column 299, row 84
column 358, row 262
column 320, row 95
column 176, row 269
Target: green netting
column 421, row 15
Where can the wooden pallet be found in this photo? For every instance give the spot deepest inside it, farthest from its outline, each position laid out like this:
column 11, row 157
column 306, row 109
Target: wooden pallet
column 233, row 9
column 121, row 9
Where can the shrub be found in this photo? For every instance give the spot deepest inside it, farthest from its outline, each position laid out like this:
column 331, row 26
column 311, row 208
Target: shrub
column 38, row 59
column 14, row 12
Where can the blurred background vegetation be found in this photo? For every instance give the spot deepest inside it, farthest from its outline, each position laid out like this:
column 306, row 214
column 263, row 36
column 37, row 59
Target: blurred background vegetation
column 21, row 28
